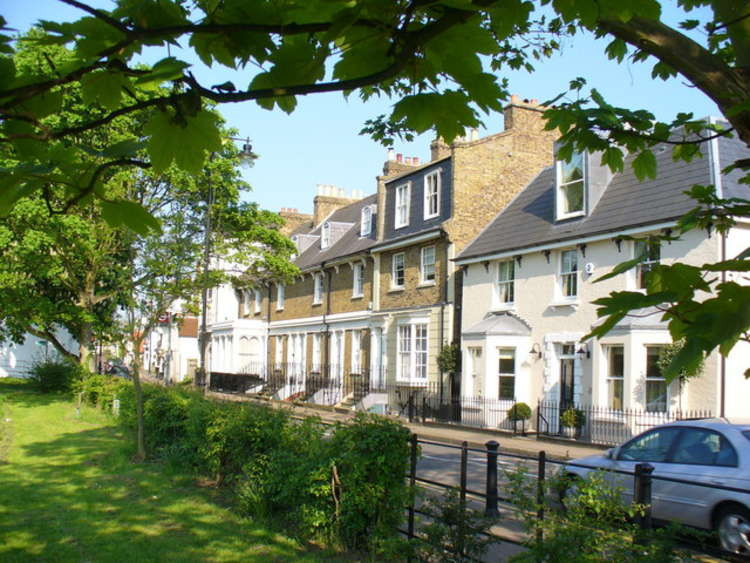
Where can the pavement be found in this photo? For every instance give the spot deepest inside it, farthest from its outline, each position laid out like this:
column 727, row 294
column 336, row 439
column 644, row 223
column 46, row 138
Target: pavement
column 439, row 432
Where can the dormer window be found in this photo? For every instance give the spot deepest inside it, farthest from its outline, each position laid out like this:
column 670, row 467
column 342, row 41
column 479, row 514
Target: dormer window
column 365, row 227
column 402, row 205
column 325, row 236
column 432, row 195
column 571, row 187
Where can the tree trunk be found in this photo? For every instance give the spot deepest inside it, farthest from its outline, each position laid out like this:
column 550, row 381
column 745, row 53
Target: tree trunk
column 140, row 454
column 85, row 357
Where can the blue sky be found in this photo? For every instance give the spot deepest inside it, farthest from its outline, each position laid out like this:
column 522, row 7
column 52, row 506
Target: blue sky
column 320, row 143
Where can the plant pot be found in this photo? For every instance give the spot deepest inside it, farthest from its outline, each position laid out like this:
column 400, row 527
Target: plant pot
column 570, row 431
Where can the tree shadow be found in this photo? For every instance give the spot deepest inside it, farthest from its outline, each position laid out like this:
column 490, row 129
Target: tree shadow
column 77, row 497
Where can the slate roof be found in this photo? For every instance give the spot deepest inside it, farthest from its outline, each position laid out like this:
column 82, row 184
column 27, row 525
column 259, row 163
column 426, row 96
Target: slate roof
column 350, row 242
column 529, row 220
column 505, row 324
column 646, row 318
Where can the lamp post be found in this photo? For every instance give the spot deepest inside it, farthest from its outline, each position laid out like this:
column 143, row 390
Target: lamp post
column 245, row 153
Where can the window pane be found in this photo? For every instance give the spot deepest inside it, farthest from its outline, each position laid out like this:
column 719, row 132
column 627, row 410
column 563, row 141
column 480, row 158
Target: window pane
column 699, row 446
column 507, row 387
column 573, row 170
column 420, row 348
column 654, row 446
column 573, row 197
column 652, row 362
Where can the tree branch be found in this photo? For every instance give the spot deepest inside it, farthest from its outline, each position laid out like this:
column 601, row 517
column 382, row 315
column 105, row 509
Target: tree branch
column 722, row 83
column 49, row 336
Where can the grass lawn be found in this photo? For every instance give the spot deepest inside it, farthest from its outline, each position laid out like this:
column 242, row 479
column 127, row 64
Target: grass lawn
column 68, row 492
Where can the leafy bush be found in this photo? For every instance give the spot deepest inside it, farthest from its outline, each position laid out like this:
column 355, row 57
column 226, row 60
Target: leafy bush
column 455, row 533
column 346, row 486
column 54, row 375
column 519, row 411
column 594, row 525
column 573, row 418
column 99, row 390
column 448, row 358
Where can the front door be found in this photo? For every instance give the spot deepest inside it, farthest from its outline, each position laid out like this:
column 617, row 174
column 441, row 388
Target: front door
column 567, row 383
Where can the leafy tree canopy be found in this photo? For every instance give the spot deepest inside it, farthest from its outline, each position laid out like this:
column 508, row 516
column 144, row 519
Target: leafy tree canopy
column 439, row 60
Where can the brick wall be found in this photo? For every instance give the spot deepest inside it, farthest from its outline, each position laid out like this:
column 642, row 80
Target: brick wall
column 414, row 293
column 342, row 284
column 489, row 172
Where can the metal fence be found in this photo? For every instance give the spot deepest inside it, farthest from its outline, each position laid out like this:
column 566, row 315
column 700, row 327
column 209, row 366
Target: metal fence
column 374, row 391
column 602, row 425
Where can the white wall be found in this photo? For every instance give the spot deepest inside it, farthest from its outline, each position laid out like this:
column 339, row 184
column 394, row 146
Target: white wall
column 16, row 359
column 553, row 323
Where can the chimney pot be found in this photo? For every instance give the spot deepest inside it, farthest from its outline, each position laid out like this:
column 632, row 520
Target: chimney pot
column 399, row 157
column 391, row 155
column 415, row 160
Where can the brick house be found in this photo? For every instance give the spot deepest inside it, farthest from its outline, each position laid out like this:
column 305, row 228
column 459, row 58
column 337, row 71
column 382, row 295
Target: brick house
column 528, row 287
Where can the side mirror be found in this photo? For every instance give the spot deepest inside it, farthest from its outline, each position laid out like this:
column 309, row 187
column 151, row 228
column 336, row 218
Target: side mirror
column 611, row 453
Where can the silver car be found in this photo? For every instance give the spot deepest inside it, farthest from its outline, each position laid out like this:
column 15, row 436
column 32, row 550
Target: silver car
column 710, row 453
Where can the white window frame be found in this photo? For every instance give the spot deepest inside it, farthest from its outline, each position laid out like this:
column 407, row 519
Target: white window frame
column 505, row 352
column 356, row 356
column 258, row 301
column 279, row 350
column 432, row 182
column 505, row 287
column 412, row 351
column 402, row 205
column 652, row 258
column 612, row 380
column 659, row 379
column 317, row 289
column 562, row 186
column 280, row 296
column 358, row 279
column 325, row 235
column 394, row 277
column 365, row 227
column 564, row 275
column 425, row 266
column 316, row 360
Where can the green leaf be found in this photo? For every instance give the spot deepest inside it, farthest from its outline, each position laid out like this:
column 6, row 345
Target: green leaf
column 184, row 143
column 736, row 265
column 124, row 213
column 12, row 190
column 104, row 87
column 165, row 70
column 644, row 165
column 7, row 72
column 620, row 268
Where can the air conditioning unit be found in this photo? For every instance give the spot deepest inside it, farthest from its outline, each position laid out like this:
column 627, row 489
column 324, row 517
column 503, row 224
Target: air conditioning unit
column 589, row 268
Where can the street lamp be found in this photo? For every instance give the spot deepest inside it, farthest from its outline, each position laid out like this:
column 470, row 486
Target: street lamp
column 246, row 154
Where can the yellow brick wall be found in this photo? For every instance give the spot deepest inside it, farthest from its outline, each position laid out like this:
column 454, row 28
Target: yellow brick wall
column 414, row 294
column 489, row 172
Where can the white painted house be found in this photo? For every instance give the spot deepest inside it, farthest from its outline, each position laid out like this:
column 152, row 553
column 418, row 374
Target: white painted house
column 529, row 282
column 17, row 359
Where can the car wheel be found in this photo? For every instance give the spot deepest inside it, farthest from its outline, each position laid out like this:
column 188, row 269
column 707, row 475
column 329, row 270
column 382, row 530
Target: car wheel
column 733, row 527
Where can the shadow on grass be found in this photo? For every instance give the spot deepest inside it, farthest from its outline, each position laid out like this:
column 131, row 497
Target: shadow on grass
column 23, row 392
column 78, row 497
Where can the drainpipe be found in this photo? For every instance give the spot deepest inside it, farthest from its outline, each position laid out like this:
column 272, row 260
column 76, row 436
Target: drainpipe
column 722, row 359
column 327, row 311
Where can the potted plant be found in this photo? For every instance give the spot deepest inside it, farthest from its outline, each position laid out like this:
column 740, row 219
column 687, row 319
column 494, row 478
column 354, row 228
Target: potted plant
column 522, row 412
column 572, row 420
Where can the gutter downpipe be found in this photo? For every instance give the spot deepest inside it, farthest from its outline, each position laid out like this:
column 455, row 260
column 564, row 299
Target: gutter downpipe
column 715, row 169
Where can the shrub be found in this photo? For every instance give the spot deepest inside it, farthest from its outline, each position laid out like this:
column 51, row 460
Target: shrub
column 99, row 390
column 448, row 358
column 573, row 418
column 53, row 375
column 456, row 532
column 519, row 411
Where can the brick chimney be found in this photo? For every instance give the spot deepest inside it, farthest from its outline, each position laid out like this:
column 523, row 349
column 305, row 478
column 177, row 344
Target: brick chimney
column 523, row 113
column 397, row 163
column 439, row 149
column 293, row 219
column 329, row 199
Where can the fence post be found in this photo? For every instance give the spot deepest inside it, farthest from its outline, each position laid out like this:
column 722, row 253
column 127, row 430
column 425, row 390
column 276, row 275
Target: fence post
column 541, row 471
column 490, row 508
column 424, row 409
column 462, row 501
column 642, row 493
column 412, row 482
column 538, row 417
column 411, row 406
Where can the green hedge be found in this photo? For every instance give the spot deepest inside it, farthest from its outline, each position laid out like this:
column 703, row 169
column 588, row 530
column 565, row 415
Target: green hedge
column 344, row 485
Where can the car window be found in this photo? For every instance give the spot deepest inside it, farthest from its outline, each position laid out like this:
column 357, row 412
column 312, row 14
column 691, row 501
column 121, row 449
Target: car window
column 700, row 446
column 651, row 446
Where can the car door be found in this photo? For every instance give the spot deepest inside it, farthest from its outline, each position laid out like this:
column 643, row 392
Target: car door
column 705, row 457
column 654, row 447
